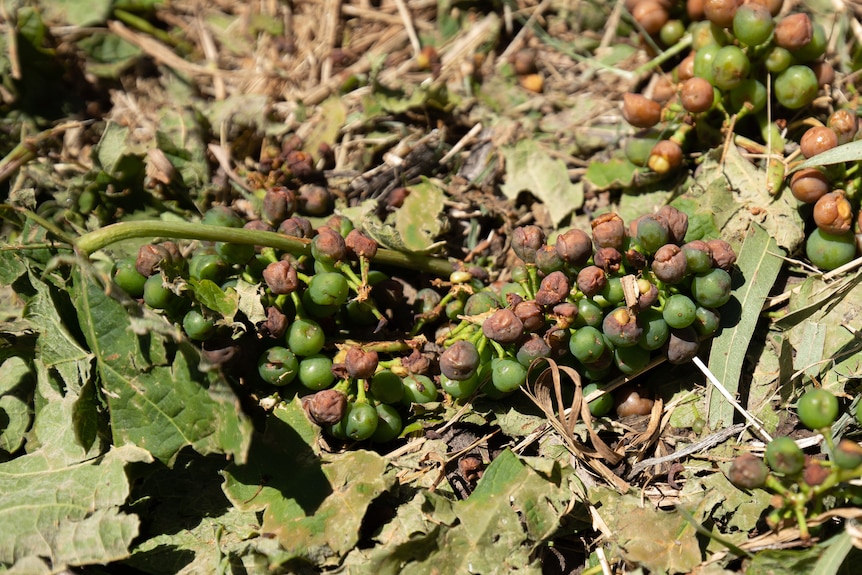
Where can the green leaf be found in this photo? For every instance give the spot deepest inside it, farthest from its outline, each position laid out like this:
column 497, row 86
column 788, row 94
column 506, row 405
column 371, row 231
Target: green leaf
column 530, row 168
column 837, row 550
column 313, row 506
column 16, row 382
column 849, row 152
column 759, row 263
column 68, row 512
column 784, row 562
column 108, row 54
column 114, row 146
column 78, row 12
column 418, row 221
column 208, row 293
column 161, row 408
column 325, row 127
column 613, row 173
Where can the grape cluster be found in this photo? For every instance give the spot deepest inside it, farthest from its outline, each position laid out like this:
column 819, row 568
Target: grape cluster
column 721, row 85
column 605, row 303
column 800, row 481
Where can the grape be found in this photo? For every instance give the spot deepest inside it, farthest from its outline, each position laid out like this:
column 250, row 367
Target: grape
column 752, row 24
column 157, row 295
column 784, row 456
column 315, row 200
column 553, row 290
column 655, row 329
column 672, row 32
column 682, row 345
column 531, row 315
column 637, row 151
column 279, row 203
column 197, row 326
column 613, row 292
column 591, row 280
column 817, row 408
column 361, row 363
column 621, row 327
column 426, row 300
column 703, row 60
column 777, row 59
column 809, row 185
column 532, row 349
column 609, row 259
column 706, row 321
column 670, row 264
column 127, row 277
column 418, row 389
column 548, row 260
column 829, row 251
column 833, row 213
column 679, row 311
column 730, row 67
column 361, row 421
column 238, row 254
column 297, row 227
column 652, row 233
column 328, row 289
column 640, row 112
column 751, row 93
column 697, row 95
column 794, row 31
column 454, row 308
column 666, row 156
column 711, row 289
column 698, row 258
column 601, row 406
column 460, row 389
column 633, row 400
column 280, row 277
column 222, row 216
column 847, row 454
column 587, row 344
column 208, row 266
column 526, row 240
column 325, row 407
column 328, row 246
column 748, row 472
column 589, row 313
column 814, row 49
column 631, row 360
column 796, row 87
column 460, row 360
column 503, row 327
column 844, row 123
column 817, row 140
column 651, row 15
column 720, row 12
column 387, row 387
column 389, row 424
column 507, row 374
column 316, row 310
column 722, row 254
column 574, row 246
column 481, row 302
column 278, row 366
column 305, row 337
column 315, row 372
column 609, row 231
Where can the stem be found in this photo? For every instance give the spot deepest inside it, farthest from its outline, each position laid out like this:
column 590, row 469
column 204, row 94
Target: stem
column 103, row 237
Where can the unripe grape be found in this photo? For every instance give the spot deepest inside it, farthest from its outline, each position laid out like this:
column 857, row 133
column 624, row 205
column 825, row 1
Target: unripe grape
column 829, row 251
column 703, row 60
column 784, row 456
column 651, row 15
column 621, row 327
column 848, row 454
column 698, row 256
column 817, row 408
column 672, row 32
column 665, row 157
column 712, row 289
column 844, row 123
column 752, row 24
column 535, row 347
column 720, row 12
column 750, row 94
column 816, row 140
column 548, row 260
column 640, row 111
column 777, row 59
column 796, row 87
column 748, row 472
column 696, row 95
column 652, row 232
column 814, row 49
column 794, row 31
column 833, row 213
column 730, row 67
column 809, row 185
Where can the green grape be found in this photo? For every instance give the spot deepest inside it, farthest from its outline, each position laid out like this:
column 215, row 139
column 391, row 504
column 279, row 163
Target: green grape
column 157, row 295
column 652, row 233
column 704, row 33
column 752, row 24
column 315, row 372
column 655, row 329
column 815, row 49
column 613, row 291
column 730, row 67
column 128, row 278
column 238, row 254
column 418, row 389
column 305, row 337
column 847, row 454
column 638, row 150
column 389, row 424
column 208, row 266
column 703, row 60
column 454, row 308
column 796, row 87
column 706, row 321
column 778, row 59
column 481, row 302
column 749, row 92
column 829, row 251
column 278, row 366
column 512, row 288
column 672, row 32
column 601, row 406
column 315, row 309
column 222, row 216
column 507, row 374
column 587, row 344
column 328, row 289
column 711, row 289
column 460, row 389
column 697, row 257
column 589, row 313
column 784, row 456
column 679, row 311
column 631, row 360
column 361, row 313
column 387, row 387
column 621, row 328
column 197, row 326
column 817, row 408
column 361, row 421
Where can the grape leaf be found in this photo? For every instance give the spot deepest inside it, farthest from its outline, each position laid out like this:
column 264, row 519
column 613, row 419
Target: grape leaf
column 161, row 408
column 66, row 512
column 530, row 168
column 418, row 221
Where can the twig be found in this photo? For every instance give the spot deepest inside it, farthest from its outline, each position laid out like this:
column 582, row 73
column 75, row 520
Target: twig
column 407, row 20
column 781, row 298
column 717, row 384
column 707, row 442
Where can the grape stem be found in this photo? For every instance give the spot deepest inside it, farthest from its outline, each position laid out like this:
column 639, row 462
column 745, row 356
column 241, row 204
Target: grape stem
column 103, row 237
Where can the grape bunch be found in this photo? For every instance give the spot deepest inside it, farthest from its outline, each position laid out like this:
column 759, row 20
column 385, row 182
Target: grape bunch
column 801, row 481
column 741, row 53
column 605, row 303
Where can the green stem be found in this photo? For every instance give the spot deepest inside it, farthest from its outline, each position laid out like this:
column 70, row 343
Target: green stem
column 98, row 239
column 146, row 27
